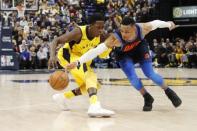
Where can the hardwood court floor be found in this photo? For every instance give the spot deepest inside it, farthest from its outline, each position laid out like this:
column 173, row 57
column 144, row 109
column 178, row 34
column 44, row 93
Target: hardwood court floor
column 26, row 104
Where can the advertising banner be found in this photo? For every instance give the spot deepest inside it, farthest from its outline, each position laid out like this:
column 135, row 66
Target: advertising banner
column 185, row 12
column 6, row 37
column 8, row 58
column 9, row 61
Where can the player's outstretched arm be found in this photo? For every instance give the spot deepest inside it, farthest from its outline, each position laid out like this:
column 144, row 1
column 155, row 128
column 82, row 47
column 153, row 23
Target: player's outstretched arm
column 93, row 53
column 155, row 24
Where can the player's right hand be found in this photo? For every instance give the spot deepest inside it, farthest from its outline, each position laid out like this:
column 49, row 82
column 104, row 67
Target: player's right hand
column 112, row 41
column 52, row 63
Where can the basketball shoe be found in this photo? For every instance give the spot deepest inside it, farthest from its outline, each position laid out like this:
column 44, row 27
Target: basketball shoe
column 148, row 101
column 60, row 101
column 176, row 101
column 95, row 110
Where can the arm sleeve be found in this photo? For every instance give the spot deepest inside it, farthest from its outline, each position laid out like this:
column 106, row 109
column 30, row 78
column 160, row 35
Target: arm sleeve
column 93, row 53
column 159, row 24
column 105, row 54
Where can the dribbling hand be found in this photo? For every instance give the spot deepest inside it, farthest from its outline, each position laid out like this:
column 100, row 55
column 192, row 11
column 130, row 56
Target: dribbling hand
column 72, row 65
column 52, row 63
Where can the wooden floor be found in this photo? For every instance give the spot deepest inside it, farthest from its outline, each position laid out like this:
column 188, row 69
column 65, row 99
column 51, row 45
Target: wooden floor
column 26, row 104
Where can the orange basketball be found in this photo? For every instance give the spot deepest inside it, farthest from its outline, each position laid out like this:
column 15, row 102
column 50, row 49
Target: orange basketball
column 59, row 80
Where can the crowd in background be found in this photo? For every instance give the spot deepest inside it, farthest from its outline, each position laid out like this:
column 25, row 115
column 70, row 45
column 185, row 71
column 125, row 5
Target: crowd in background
column 177, row 53
column 33, row 32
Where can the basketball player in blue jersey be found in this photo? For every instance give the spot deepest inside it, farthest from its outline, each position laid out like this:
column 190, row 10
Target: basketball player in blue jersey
column 130, row 48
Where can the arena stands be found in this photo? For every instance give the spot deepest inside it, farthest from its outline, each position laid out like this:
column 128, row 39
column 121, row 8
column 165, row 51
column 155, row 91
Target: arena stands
column 33, row 33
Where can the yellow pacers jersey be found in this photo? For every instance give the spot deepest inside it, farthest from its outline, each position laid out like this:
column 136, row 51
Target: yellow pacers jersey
column 70, row 52
column 85, row 44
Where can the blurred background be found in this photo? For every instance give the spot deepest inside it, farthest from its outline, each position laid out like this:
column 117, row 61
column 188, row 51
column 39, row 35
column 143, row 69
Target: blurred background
column 27, row 28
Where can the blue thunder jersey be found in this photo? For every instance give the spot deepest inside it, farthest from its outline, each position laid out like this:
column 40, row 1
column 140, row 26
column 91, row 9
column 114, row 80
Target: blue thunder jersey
column 137, row 49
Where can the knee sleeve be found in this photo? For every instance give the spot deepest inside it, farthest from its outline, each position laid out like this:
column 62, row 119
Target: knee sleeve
column 156, row 78
column 128, row 67
column 136, row 82
column 150, row 73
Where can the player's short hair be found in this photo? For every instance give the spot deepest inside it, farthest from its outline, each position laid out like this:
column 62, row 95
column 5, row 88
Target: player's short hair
column 128, row 21
column 96, row 17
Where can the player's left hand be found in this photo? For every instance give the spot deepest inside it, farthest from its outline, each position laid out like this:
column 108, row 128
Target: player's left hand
column 71, row 65
column 52, row 63
column 173, row 26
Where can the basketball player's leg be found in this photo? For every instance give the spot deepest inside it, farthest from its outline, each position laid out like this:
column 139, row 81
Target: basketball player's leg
column 127, row 66
column 147, row 68
column 95, row 109
column 64, row 57
column 62, row 98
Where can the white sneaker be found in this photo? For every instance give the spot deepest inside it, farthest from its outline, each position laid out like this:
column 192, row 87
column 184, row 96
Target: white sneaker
column 181, row 65
column 95, row 110
column 61, row 101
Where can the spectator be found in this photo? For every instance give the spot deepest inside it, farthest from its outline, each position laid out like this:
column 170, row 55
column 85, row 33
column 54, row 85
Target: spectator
column 25, row 59
column 179, row 54
column 42, row 57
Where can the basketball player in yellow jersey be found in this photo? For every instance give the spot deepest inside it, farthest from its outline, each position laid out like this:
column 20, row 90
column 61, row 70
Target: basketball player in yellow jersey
column 77, row 42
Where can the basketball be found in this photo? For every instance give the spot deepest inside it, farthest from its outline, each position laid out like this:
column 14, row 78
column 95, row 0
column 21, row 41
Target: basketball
column 59, row 80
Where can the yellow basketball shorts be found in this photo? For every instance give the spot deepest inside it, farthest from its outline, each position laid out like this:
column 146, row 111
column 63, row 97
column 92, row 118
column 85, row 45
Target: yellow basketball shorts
column 179, row 57
column 84, row 76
